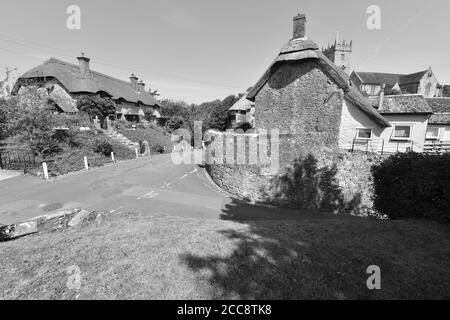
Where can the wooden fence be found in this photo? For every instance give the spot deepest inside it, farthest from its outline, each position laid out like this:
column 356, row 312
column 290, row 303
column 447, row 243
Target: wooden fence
column 383, row 146
column 436, row 147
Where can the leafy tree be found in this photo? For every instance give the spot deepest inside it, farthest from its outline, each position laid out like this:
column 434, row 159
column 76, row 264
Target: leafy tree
column 148, row 115
column 3, row 119
column 174, row 123
column 220, row 117
column 96, row 106
column 172, row 108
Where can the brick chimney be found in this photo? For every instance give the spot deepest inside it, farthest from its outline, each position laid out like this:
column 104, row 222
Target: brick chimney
column 141, row 86
column 133, row 82
column 84, row 64
column 299, row 26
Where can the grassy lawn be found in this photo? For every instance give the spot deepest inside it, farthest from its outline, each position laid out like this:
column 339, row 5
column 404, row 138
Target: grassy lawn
column 138, row 256
column 154, row 135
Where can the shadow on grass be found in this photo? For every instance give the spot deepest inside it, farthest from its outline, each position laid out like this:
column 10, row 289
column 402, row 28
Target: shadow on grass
column 275, row 259
column 282, row 253
column 325, row 259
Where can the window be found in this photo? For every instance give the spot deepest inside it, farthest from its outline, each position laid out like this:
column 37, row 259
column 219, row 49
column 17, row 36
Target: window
column 432, row 133
column 343, row 57
column 364, row 133
column 401, row 132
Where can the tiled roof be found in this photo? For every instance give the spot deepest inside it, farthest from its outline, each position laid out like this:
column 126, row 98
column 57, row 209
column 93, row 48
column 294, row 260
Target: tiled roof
column 439, row 105
column 405, row 103
column 71, row 78
column 412, row 78
column 377, row 77
column 390, row 78
column 243, row 104
column 439, row 118
column 301, row 49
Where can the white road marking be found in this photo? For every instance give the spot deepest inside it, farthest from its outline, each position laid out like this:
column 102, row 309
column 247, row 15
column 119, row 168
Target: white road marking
column 112, row 211
column 193, row 171
column 183, row 176
column 149, row 195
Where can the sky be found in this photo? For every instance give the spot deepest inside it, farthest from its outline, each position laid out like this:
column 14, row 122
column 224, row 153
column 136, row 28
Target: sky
column 202, row 50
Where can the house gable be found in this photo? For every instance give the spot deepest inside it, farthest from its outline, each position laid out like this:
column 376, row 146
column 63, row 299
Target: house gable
column 299, row 98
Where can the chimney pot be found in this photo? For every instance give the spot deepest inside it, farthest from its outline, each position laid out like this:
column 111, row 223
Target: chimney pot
column 133, row 82
column 299, row 26
column 141, row 86
column 84, row 64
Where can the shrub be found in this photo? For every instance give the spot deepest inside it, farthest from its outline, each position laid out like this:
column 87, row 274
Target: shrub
column 96, row 106
column 413, row 185
column 244, row 126
column 157, row 147
column 174, row 123
column 45, row 144
column 103, row 147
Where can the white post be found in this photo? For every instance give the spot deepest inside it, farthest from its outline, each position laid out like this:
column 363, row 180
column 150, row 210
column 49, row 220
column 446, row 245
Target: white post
column 86, row 165
column 112, row 157
column 137, row 152
column 45, row 169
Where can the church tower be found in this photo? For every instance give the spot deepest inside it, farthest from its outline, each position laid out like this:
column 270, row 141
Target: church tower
column 340, row 53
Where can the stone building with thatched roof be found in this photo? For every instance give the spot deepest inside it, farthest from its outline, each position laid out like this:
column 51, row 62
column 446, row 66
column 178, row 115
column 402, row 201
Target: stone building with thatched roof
column 65, row 82
column 310, row 99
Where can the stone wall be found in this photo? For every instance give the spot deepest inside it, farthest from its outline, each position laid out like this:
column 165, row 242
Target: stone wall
column 340, row 182
column 299, row 99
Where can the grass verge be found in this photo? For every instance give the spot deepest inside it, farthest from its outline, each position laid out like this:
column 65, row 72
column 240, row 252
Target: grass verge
column 136, row 256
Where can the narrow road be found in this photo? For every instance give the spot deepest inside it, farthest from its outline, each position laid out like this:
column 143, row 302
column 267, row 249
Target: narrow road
column 149, row 185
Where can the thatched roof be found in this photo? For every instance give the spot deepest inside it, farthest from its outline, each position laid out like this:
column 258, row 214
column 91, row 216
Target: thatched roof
column 405, row 103
column 74, row 81
column 302, row 49
column 243, row 104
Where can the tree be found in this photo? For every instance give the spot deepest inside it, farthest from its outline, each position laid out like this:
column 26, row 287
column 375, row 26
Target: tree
column 96, row 106
column 3, row 119
column 174, row 123
column 220, row 117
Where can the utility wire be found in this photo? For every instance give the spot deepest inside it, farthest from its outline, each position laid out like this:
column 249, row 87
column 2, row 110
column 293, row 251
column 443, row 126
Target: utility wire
column 68, row 54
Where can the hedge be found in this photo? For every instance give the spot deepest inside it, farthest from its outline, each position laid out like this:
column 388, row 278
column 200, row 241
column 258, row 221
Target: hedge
column 412, row 185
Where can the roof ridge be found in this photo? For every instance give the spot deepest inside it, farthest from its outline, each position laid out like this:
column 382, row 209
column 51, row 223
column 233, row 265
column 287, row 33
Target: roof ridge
column 92, row 71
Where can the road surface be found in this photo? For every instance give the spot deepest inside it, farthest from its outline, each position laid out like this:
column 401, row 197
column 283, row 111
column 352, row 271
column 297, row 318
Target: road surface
column 149, row 185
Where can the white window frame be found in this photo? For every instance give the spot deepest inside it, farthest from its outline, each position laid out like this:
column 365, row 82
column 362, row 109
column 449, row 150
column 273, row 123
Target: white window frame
column 411, row 127
column 433, row 138
column 362, row 128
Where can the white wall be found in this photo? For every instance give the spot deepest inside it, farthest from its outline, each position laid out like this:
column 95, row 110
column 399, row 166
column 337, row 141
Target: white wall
column 353, row 118
column 419, row 124
column 444, row 133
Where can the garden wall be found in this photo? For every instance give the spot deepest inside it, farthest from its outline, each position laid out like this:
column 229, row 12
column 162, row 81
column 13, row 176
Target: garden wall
column 323, row 179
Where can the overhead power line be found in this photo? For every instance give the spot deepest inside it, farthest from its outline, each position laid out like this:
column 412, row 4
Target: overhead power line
column 131, row 68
